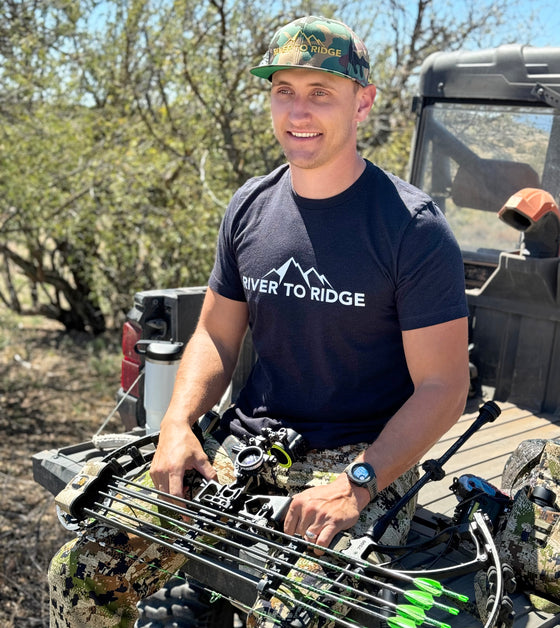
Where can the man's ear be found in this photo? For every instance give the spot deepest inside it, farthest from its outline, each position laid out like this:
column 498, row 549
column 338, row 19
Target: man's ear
column 365, row 103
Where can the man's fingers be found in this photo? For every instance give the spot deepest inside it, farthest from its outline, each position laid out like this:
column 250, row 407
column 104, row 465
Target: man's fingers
column 159, row 480
column 290, row 522
column 176, row 486
column 207, row 470
column 293, row 522
column 320, row 536
column 325, row 537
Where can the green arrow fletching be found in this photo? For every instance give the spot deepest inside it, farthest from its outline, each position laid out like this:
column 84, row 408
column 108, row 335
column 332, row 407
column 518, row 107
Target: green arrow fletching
column 400, row 622
column 425, row 600
column 436, row 588
column 412, row 612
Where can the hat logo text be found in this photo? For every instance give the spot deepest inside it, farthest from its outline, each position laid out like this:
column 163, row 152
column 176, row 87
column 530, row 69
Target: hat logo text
column 313, row 46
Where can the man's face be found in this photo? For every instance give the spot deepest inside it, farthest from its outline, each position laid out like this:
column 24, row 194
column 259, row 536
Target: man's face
column 315, row 116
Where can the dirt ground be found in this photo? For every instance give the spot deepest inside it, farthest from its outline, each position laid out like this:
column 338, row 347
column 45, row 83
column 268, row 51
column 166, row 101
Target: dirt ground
column 56, row 389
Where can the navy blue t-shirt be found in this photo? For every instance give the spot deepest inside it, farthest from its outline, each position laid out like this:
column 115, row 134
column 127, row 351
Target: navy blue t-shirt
column 330, row 285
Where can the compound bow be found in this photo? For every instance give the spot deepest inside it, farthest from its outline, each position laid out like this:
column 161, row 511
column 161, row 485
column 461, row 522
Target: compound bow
column 231, row 535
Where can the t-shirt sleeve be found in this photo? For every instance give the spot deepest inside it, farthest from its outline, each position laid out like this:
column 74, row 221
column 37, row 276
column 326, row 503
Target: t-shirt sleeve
column 224, row 278
column 431, row 285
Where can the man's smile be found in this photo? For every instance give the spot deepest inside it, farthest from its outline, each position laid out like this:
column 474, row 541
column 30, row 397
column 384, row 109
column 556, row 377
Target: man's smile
column 303, row 135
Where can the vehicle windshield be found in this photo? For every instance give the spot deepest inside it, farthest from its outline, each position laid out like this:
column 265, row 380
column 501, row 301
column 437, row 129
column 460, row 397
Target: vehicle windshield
column 474, row 157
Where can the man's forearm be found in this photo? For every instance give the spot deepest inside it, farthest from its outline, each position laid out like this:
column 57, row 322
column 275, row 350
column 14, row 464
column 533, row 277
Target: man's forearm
column 425, row 417
column 202, row 378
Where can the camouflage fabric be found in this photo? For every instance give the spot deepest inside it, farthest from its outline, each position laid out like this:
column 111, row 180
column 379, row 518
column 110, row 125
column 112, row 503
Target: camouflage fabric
column 316, row 43
column 97, row 579
column 530, row 538
column 520, row 464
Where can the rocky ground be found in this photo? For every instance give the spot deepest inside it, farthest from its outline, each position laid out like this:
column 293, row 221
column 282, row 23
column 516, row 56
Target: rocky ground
column 56, row 389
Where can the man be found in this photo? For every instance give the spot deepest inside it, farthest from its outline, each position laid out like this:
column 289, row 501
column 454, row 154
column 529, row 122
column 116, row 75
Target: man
column 364, row 333
column 352, row 285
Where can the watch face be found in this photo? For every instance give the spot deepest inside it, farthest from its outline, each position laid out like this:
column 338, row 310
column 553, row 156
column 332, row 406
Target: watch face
column 361, row 473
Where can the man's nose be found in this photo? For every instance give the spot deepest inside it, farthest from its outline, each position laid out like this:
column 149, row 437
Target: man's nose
column 299, row 108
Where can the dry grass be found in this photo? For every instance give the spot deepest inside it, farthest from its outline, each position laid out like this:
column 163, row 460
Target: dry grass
column 55, row 389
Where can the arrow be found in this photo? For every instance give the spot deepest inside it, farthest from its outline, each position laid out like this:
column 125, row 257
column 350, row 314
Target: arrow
column 436, row 588
column 425, row 600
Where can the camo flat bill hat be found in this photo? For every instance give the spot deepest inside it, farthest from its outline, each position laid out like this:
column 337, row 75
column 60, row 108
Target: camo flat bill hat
column 316, row 43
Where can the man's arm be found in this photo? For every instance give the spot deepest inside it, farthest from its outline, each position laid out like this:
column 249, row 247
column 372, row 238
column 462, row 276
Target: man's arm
column 202, row 378
column 438, row 363
column 437, row 359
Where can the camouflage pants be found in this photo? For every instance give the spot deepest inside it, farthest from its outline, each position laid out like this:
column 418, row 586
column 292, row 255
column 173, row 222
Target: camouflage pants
column 97, row 579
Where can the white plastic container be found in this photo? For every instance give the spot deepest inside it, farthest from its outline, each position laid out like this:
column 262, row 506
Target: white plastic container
column 160, row 369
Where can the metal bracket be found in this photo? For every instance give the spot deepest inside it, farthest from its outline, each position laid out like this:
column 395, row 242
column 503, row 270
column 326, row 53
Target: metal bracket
column 547, row 95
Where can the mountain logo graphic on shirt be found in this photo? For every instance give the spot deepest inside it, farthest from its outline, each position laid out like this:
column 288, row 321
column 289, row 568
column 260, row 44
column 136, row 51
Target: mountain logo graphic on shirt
column 291, row 267
column 290, row 280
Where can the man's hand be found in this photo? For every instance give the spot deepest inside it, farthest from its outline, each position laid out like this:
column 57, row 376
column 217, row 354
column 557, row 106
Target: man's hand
column 205, row 371
column 178, row 451
column 318, row 513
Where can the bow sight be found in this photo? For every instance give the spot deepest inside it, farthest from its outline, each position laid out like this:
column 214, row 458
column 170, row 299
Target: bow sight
column 273, row 448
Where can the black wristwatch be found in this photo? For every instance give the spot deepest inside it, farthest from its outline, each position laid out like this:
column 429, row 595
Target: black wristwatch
column 362, row 474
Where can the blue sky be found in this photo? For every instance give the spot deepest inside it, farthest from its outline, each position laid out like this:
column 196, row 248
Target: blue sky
column 547, row 31
column 530, row 22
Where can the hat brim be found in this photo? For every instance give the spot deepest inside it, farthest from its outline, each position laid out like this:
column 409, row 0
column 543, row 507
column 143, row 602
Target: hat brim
column 266, row 71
